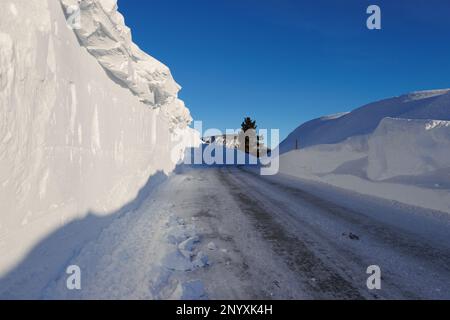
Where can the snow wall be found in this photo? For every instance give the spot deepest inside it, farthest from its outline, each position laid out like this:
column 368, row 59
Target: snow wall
column 85, row 119
column 405, row 160
column 404, row 147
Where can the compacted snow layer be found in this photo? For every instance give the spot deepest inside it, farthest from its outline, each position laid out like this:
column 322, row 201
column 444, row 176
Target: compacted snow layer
column 405, row 147
column 231, row 234
column 395, row 149
column 340, row 166
column 73, row 138
column 403, row 160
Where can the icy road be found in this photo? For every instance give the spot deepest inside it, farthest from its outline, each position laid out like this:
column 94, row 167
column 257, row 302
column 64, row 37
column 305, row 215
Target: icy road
column 228, row 233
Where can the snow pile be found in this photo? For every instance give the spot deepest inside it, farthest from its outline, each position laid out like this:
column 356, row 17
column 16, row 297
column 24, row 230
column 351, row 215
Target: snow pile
column 322, row 159
column 389, row 149
column 408, row 147
column 362, row 121
column 82, row 127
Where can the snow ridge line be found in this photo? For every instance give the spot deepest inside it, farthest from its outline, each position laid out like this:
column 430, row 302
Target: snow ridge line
column 102, row 31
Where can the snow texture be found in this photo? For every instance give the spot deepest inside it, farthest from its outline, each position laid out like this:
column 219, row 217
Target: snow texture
column 86, row 119
column 403, row 147
column 396, row 149
column 433, row 104
column 102, row 31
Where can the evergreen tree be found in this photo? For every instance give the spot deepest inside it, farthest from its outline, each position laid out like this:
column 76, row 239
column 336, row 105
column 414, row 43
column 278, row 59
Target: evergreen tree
column 248, row 124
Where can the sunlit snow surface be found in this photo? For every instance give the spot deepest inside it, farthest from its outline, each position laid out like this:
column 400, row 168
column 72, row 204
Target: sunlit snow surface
column 397, row 148
column 86, row 119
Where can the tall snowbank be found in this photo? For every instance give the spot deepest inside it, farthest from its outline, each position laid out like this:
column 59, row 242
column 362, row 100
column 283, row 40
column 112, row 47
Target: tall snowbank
column 389, row 149
column 82, row 127
column 403, row 160
column 408, row 147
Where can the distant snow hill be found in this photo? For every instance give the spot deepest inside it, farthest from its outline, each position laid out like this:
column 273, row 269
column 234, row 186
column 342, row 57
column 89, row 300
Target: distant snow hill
column 432, row 104
column 397, row 148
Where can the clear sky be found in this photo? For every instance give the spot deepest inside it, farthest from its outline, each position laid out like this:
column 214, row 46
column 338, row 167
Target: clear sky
column 284, row 62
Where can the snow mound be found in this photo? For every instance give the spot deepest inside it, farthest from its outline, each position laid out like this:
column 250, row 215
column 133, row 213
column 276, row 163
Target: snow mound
column 408, row 147
column 323, row 159
column 432, row 104
column 103, row 32
column 389, row 149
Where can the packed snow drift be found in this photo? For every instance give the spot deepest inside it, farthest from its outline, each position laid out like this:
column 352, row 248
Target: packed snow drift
column 405, row 147
column 86, row 119
column 431, row 104
column 397, row 148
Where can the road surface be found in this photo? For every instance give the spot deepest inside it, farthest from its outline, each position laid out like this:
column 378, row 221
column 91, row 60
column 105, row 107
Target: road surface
column 259, row 237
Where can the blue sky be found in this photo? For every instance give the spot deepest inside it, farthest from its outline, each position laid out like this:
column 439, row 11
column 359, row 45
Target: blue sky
column 284, row 62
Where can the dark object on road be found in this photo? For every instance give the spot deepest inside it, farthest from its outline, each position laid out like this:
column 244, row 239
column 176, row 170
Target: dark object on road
column 352, row 236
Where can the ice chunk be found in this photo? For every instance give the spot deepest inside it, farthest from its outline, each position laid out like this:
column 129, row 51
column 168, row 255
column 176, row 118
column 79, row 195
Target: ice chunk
column 187, row 246
column 212, row 246
column 201, row 260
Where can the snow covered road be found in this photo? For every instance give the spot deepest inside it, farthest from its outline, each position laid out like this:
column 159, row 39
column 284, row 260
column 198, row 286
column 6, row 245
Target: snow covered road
column 92, row 129
column 227, row 233
column 328, row 237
